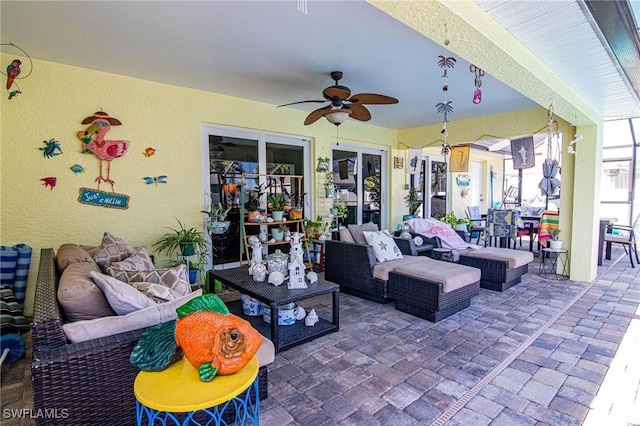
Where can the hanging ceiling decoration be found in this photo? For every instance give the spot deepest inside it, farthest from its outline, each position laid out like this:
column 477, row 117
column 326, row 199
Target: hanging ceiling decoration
column 477, row 94
column 445, row 62
column 549, row 183
column 14, row 70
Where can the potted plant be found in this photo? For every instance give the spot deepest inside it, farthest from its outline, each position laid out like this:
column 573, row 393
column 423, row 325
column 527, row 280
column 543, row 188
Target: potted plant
column 412, row 200
column 459, row 224
column 276, row 202
column 329, row 183
column 252, row 203
column 278, row 232
column 298, row 205
column 185, row 242
column 217, row 215
column 555, row 243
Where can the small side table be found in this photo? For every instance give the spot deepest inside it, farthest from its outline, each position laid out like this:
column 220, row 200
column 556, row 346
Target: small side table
column 553, row 263
column 440, row 253
column 178, row 389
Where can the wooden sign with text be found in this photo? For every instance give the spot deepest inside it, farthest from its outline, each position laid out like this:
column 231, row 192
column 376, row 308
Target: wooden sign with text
column 103, row 199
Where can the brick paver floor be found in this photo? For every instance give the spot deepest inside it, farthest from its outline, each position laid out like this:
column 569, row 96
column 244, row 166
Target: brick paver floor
column 543, row 352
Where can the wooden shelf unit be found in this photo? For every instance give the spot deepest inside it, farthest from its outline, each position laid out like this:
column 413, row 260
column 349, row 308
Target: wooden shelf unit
column 295, row 225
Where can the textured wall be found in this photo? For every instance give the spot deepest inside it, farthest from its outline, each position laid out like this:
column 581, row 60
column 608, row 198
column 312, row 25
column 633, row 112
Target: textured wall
column 55, row 100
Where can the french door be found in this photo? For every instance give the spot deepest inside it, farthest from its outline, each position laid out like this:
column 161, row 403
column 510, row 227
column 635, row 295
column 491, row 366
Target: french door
column 228, row 152
column 361, row 182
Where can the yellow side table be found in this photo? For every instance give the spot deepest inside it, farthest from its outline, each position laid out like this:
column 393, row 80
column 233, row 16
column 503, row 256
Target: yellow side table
column 178, row 389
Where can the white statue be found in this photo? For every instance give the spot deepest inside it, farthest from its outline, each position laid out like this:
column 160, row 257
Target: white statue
column 311, row 319
column 256, row 252
column 296, row 247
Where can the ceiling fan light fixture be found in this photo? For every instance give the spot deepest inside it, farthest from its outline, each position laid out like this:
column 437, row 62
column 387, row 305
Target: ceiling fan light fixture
column 337, row 116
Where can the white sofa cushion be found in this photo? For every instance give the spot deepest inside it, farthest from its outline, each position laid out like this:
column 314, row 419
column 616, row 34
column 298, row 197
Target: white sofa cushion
column 515, row 258
column 122, row 297
column 81, row 331
column 451, row 275
column 381, row 270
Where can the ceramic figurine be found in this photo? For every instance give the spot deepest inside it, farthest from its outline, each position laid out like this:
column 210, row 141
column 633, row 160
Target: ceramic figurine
column 256, row 253
column 311, row 319
column 259, row 272
column 296, row 247
column 301, row 314
column 263, row 236
column 312, row 277
column 276, row 278
column 296, row 274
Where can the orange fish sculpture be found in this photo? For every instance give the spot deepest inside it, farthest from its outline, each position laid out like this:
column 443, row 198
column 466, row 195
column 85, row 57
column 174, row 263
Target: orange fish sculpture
column 214, row 341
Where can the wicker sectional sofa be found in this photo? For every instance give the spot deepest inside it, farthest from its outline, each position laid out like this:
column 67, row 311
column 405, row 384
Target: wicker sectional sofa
column 420, row 286
column 92, row 380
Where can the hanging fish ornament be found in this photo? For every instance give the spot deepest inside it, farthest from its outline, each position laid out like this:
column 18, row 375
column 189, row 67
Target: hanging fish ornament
column 13, row 70
column 149, row 151
column 14, row 93
column 49, row 182
column 77, row 168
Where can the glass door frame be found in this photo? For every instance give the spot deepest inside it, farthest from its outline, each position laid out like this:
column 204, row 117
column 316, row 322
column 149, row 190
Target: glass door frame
column 428, row 160
column 384, row 178
column 263, row 139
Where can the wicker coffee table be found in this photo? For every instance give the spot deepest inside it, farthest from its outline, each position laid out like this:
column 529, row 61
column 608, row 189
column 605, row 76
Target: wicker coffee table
column 283, row 336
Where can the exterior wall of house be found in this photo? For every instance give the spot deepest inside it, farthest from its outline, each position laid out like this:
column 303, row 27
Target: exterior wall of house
column 55, row 100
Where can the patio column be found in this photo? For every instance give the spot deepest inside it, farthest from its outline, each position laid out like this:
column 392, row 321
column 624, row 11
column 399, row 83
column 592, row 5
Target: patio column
column 585, row 216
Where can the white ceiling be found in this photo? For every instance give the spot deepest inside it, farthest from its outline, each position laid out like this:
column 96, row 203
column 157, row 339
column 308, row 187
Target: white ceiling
column 269, row 52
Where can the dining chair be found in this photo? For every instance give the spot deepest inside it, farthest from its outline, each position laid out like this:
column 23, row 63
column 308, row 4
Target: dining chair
column 502, row 225
column 476, row 226
column 627, row 236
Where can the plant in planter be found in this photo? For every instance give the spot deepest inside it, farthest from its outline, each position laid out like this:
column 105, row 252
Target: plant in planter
column 454, row 222
column 253, row 201
column 555, row 242
column 295, row 212
column 183, row 242
column 276, row 202
column 278, row 232
column 217, row 215
column 413, row 202
column 329, row 183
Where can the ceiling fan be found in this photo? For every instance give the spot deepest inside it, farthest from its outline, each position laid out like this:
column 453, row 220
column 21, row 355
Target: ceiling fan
column 342, row 104
column 216, row 145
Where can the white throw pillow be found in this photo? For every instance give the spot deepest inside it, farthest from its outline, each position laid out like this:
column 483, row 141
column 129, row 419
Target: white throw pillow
column 384, row 247
column 122, row 298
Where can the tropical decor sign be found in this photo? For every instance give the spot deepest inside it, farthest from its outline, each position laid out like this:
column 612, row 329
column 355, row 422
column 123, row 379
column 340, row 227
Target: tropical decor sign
column 103, row 199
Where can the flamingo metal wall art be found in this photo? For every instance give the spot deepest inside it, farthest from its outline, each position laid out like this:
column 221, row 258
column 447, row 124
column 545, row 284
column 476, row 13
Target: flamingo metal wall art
column 106, row 150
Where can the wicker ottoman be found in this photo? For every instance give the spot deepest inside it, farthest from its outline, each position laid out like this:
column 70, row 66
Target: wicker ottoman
column 501, row 267
column 432, row 289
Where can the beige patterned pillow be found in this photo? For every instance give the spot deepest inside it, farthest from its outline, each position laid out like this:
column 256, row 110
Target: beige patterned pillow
column 122, row 297
column 383, row 245
column 175, row 278
column 111, row 250
column 357, row 231
column 140, row 261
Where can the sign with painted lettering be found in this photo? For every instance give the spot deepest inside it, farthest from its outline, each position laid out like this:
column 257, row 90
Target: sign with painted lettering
column 103, row 199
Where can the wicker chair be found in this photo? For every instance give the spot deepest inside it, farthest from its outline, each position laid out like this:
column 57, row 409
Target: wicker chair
column 92, row 380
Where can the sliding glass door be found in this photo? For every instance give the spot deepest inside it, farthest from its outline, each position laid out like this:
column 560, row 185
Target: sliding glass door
column 361, row 179
column 229, row 152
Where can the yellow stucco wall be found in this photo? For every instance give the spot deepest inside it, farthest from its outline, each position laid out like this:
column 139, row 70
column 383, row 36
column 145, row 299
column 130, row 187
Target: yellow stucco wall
column 55, row 100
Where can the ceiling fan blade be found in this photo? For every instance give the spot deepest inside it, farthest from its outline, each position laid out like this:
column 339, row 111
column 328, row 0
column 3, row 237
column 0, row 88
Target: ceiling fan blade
column 316, row 115
column 359, row 112
column 303, row 102
column 372, row 99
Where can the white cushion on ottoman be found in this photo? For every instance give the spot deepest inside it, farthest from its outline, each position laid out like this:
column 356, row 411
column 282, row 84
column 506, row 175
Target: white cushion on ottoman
column 515, row 258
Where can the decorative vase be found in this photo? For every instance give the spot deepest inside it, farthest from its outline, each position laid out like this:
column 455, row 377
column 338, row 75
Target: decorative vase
column 277, row 234
column 277, row 215
column 328, row 191
column 193, row 273
column 333, row 211
column 259, row 272
column 262, row 236
column 253, row 216
column 555, row 244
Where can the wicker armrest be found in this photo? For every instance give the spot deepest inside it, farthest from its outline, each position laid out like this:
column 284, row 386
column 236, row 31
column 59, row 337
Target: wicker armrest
column 47, row 321
column 407, row 247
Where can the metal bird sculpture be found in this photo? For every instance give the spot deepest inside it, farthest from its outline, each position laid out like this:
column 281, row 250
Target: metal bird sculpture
column 105, row 150
column 13, row 70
